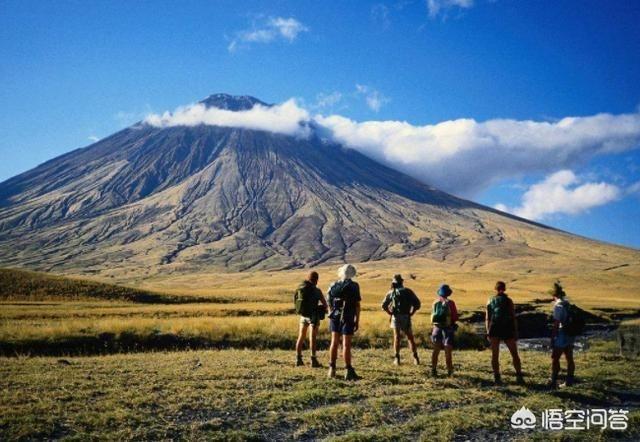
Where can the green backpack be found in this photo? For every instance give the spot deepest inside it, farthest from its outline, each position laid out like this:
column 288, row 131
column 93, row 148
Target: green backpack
column 441, row 314
column 400, row 302
column 303, row 300
column 500, row 310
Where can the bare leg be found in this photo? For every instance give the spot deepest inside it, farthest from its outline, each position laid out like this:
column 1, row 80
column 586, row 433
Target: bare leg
column 333, row 350
column 346, row 343
column 447, row 353
column 312, row 340
column 512, row 345
column 495, row 356
column 555, row 364
column 434, row 355
column 396, row 341
column 412, row 343
column 302, row 333
column 571, row 366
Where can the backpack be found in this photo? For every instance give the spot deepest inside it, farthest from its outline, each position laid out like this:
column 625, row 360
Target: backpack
column 500, row 310
column 574, row 323
column 304, row 300
column 441, row 314
column 337, row 300
column 400, row 302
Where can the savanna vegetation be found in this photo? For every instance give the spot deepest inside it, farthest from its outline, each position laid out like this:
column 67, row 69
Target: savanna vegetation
column 259, row 395
column 111, row 372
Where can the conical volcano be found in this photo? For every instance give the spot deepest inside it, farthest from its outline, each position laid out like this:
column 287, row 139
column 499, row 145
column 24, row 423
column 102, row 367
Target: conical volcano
column 212, row 197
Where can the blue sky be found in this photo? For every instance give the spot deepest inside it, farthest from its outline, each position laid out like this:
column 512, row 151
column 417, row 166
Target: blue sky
column 74, row 70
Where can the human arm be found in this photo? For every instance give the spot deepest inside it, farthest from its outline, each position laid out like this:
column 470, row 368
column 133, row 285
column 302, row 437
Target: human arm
column 323, row 301
column 386, row 303
column 515, row 320
column 357, row 322
column 415, row 304
column 487, row 321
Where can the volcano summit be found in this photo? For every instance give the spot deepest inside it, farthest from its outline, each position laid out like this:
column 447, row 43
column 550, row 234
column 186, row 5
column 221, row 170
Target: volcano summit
column 189, row 197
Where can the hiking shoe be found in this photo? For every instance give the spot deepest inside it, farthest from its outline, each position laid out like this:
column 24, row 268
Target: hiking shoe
column 416, row 359
column 520, row 379
column 497, row 380
column 552, row 385
column 568, row 382
column 434, row 372
column 299, row 361
column 332, row 372
column 351, row 375
column 396, row 360
column 315, row 363
column 450, row 372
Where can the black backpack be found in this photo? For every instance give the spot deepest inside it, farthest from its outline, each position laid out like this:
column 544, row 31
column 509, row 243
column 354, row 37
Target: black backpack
column 574, row 323
column 500, row 310
column 338, row 299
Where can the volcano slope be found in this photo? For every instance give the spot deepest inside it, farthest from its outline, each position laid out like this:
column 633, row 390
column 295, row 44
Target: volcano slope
column 151, row 201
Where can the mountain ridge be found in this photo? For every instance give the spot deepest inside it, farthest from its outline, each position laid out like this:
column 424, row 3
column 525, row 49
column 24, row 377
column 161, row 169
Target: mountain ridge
column 192, row 197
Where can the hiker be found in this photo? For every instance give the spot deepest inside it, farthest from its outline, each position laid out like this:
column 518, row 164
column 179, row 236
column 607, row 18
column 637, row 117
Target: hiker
column 401, row 303
column 562, row 339
column 443, row 317
column 311, row 306
column 344, row 318
column 501, row 325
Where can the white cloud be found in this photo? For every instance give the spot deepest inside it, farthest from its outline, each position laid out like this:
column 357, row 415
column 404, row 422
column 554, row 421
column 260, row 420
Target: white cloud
column 273, row 29
column 461, row 156
column 286, row 118
column 374, row 99
column 437, row 7
column 634, row 188
column 93, row 138
column 465, row 156
column 562, row 193
column 324, row 101
column 380, row 15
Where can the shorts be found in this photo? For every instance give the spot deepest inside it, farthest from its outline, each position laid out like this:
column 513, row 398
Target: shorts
column 401, row 322
column 308, row 321
column 503, row 332
column 563, row 340
column 443, row 335
column 342, row 327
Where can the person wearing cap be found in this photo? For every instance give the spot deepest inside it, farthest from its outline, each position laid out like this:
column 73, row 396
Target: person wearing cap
column 401, row 303
column 561, row 341
column 312, row 304
column 344, row 318
column 444, row 315
column 502, row 325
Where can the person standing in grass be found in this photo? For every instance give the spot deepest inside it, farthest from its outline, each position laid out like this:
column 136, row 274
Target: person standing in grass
column 443, row 317
column 344, row 318
column 562, row 340
column 311, row 306
column 401, row 303
column 502, row 326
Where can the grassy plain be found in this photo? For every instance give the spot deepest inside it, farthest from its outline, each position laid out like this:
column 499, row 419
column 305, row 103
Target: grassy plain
column 259, row 395
column 251, row 391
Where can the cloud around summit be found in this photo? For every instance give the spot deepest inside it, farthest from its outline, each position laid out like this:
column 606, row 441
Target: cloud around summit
column 461, row 156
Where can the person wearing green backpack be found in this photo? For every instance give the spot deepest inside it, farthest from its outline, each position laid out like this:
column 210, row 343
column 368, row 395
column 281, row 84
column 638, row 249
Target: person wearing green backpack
column 311, row 306
column 444, row 316
column 502, row 326
column 401, row 303
column 565, row 327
